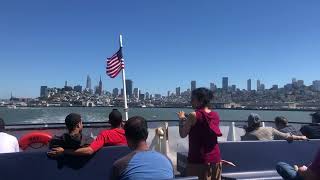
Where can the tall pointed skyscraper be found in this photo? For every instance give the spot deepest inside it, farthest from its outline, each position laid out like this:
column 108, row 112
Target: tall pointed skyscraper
column 88, row 85
column 100, row 87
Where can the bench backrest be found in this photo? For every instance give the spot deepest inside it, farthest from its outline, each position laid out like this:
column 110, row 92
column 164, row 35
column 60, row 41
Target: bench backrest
column 36, row 165
column 261, row 155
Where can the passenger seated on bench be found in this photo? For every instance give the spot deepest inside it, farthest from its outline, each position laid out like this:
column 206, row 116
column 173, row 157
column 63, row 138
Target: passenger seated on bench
column 142, row 163
column 111, row 137
column 283, row 126
column 8, row 143
column 312, row 131
column 289, row 172
column 255, row 131
column 74, row 138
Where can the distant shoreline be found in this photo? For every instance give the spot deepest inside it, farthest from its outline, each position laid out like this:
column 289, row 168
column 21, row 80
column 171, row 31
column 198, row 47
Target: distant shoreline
column 176, row 107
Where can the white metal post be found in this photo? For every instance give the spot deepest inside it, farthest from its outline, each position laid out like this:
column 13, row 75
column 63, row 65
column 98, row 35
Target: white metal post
column 124, row 86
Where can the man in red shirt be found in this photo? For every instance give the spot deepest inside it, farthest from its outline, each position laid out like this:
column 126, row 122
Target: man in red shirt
column 111, row 137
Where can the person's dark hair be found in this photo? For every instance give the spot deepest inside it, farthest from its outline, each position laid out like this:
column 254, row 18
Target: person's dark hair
column 254, row 122
column 204, row 96
column 136, row 129
column 2, row 125
column 115, row 118
column 280, row 120
column 72, row 120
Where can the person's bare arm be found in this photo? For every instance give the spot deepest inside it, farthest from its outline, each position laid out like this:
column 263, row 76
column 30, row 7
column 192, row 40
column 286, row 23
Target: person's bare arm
column 287, row 136
column 299, row 137
column 85, row 151
column 185, row 124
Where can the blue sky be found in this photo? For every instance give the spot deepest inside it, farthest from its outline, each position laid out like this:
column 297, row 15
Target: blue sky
column 167, row 43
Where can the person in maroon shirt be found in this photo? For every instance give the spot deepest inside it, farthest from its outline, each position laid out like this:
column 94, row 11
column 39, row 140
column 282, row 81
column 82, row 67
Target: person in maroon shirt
column 202, row 126
column 111, row 137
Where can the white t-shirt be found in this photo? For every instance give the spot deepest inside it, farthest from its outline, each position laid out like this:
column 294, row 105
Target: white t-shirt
column 8, row 143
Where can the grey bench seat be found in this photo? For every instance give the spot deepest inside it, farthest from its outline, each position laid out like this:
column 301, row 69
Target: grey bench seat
column 265, row 175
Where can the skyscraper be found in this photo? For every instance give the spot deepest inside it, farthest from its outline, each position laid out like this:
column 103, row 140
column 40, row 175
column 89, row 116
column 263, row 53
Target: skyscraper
column 225, row 83
column 249, row 85
column 178, row 91
column 141, row 97
column 294, row 83
column 88, row 85
column 300, row 83
column 129, row 86
column 147, row 95
column 258, row 85
column 136, row 93
column 275, row 87
column 43, row 91
column 212, row 87
column 316, row 85
column 233, row 88
column 115, row 92
column 294, row 80
column 78, row 88
column 100, row 87
column 193, row 85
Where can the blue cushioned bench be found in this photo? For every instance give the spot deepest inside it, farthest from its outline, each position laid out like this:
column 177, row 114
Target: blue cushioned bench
column 257, row 159
column 36, row 165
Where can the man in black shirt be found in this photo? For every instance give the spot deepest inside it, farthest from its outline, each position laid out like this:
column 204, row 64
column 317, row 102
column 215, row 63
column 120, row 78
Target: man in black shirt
column 312, row 131
column 74, row 138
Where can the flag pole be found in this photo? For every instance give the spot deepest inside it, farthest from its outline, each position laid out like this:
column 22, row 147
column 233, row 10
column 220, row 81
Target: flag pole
column 124, row 85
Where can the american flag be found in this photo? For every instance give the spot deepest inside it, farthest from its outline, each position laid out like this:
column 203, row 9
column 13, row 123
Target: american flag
column 115, row 64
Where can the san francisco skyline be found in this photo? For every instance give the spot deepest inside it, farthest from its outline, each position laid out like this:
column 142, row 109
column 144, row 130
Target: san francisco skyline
column 166, row 44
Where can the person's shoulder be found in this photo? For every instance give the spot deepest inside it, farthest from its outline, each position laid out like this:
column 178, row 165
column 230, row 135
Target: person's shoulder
column 11, row 137
column 290, row 128
column 193, row 114
column 108, row 132
column 124, row 160
column 214, row 112
column 159, row 155
column 119, row 130
column 306, row 127
column 266, row 129
column 105, row 131
column 155, row 153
